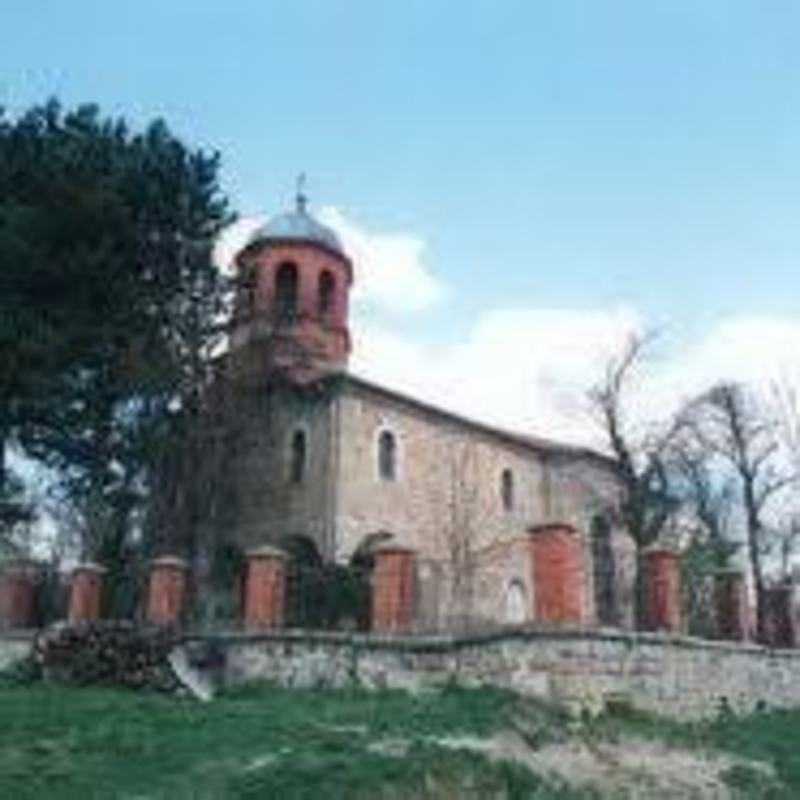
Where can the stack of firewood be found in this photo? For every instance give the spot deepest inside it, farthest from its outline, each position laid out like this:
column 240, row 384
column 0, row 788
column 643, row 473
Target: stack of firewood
column 111, row 653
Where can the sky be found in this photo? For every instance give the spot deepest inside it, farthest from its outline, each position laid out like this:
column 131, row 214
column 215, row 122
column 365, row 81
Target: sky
column 519, row 183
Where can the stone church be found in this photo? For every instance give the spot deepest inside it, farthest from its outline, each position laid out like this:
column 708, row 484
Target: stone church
column 484, row 523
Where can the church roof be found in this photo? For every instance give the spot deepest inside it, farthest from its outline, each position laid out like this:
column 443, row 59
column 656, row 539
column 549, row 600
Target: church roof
column 299, row 226
column 537, row 443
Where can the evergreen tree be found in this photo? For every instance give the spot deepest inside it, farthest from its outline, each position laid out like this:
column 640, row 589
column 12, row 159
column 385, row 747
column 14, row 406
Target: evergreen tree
column 109, row 302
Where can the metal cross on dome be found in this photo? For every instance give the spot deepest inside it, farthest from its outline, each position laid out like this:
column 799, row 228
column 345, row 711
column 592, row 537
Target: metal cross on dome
column 300, row 197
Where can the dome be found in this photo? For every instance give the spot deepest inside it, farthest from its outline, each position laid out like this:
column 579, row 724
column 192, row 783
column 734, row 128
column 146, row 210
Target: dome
column 300, row 226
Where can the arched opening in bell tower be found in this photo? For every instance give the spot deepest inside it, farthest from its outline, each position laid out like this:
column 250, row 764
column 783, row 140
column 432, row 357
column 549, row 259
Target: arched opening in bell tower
column 326, row 289
column 286, row 281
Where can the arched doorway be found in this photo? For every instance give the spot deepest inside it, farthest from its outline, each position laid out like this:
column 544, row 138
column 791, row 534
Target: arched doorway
column 325, row 595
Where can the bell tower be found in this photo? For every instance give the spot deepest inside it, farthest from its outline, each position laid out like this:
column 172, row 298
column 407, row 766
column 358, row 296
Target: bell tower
column 291, row 310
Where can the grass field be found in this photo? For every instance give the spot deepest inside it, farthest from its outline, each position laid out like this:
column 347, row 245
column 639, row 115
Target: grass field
column 259, row 742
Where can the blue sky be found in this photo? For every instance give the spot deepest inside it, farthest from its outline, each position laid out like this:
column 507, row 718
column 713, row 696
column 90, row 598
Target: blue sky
column 593, row 160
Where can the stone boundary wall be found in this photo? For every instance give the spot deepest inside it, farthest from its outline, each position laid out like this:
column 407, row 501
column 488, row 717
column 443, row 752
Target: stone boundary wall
column 675, row 676
column 671, row 675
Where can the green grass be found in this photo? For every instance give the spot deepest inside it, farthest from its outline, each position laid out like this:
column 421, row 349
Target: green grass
column 261, row 742
column 256, row 742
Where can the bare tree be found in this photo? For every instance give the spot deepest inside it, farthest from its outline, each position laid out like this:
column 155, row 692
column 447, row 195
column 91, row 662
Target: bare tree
column 708, row 495
column 729, row 423
column 707, row 519
column 784, row 401
column 641, row 458
column 458, row 533
column 467, row 518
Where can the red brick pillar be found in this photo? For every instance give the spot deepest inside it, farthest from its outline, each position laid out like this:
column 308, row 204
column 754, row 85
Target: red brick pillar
column 778, row 627
column 730, row 604
column 663, row 590
column 85, row 593
column 393, row 580
column 558, row 569
column 265, row 588
column 167, row 590
column 18, row 581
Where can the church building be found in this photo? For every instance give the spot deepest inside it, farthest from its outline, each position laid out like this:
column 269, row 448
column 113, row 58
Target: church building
column 477, row 516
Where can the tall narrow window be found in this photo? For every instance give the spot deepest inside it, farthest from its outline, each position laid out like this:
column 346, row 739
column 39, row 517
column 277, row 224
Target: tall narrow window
column 286, row 292
column 387, row 456
column 327, row 284
column 507, row 489
column 298, row 456
column 249, row 285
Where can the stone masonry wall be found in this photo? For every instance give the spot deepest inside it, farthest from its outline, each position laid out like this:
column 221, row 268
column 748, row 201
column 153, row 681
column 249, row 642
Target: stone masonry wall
column 448, row 483
column 435, row 460
column 270, row 506
column 677, row 677
column 673, row 676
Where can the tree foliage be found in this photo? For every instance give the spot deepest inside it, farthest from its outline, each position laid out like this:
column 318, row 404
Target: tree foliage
column 109, row 302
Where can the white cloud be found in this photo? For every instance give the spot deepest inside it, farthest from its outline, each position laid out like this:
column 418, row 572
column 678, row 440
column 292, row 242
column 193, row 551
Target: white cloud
column 390, row 271
column 523, row 370
column 530, row 369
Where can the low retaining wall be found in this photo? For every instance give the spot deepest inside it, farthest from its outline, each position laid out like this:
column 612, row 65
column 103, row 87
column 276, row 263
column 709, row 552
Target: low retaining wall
column 670, row 675
column 674, row 676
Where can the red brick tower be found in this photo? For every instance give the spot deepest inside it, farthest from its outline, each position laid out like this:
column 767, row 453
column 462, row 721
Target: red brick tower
column 291, row 312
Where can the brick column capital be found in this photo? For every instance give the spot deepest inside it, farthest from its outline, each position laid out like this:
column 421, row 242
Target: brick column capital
column 89, row 566
column 390, row 548
column 169, row 562
column 19, row 564
column 266, row 551
column 553, row 528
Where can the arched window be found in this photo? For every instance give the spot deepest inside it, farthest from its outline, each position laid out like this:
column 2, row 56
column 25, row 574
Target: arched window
column 327, row 285
column 298, row 456
column 507, row 489
column 286, row 292
column 387, row 456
